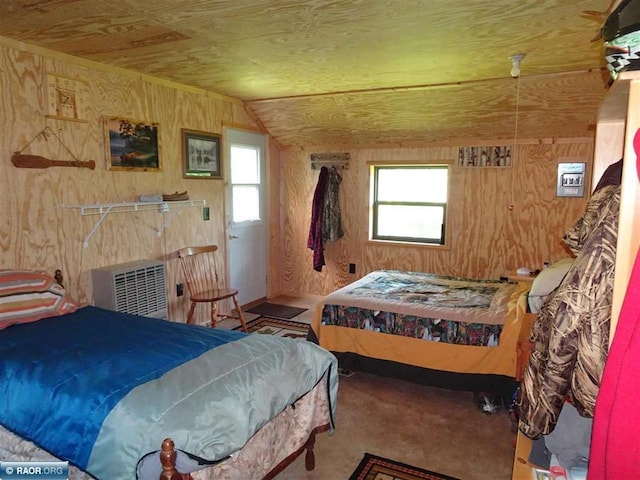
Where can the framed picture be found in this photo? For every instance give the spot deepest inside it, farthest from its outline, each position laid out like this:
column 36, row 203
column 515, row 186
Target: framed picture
column 571, row 179
column 201, row 154
column 498, row 156
column 132, row 145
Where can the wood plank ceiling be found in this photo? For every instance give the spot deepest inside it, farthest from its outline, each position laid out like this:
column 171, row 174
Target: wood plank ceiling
column 352, row 72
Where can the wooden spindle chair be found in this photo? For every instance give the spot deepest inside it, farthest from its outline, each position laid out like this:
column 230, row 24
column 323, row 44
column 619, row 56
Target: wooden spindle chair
column 204, row 284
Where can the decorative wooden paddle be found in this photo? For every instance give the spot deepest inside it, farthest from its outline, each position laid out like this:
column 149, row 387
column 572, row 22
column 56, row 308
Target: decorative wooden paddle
column 36, row 161
column 21, row 160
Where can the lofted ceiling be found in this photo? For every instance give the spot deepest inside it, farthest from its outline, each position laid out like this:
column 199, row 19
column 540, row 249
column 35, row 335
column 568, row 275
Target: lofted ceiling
column 352, row 72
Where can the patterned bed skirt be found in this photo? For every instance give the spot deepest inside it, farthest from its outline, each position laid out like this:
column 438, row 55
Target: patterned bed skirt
column 430, row 329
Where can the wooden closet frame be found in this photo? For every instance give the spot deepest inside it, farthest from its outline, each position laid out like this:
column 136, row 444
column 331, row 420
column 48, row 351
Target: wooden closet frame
column 618, row 124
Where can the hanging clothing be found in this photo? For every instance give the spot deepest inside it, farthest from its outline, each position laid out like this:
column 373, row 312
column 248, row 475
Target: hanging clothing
column 614, row 441
column 332, row 218
column 571, row 332
column 611, row 176
column 315, row 241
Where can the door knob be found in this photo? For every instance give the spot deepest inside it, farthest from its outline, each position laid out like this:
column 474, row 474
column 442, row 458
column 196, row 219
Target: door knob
column 231, row 237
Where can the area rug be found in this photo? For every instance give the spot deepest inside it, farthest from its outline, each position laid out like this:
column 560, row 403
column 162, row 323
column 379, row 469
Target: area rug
column 275, row 326
column 373, row 467
column 275, row 310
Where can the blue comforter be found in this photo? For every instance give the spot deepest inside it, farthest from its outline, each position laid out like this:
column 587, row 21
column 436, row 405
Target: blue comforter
column 102, row 389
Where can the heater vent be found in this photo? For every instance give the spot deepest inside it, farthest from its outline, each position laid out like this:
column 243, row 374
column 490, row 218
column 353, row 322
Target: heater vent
column 134, row 287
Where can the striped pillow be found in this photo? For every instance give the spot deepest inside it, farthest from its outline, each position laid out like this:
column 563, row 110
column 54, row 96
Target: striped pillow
column 30, row 295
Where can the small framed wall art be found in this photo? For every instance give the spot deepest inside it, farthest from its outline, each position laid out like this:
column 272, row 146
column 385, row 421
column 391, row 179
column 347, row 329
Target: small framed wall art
column 67, row 98
column 498, row 156
column 571, row 177
column 201, row 154
column 132, row 145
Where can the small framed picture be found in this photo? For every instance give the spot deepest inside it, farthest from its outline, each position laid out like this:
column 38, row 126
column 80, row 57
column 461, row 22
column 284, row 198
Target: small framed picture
column 571, row 179
column 132, row 145
column 201, row 154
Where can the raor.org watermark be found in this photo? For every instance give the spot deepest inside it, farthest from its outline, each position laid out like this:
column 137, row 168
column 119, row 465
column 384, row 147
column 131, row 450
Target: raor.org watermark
column 34, row 470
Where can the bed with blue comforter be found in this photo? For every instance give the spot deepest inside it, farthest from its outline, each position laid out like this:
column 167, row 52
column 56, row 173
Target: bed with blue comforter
column 102, row 389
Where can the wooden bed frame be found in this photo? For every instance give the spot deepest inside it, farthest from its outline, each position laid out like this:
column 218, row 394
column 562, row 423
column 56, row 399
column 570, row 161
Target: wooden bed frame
column 168, row 458
column 168, row 453
column 524, row 345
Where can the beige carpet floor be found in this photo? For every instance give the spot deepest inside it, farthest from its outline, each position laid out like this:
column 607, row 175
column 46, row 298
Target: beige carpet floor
column 432, row 428
column 435, row 429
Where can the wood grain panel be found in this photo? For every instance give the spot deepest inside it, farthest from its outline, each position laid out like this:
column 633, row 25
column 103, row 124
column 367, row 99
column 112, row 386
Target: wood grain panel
column 349, row 73
column 312, row 46
column 609, row 146
column 549, row 106
column 38, row 233
column 276, row 237
column 487, row 239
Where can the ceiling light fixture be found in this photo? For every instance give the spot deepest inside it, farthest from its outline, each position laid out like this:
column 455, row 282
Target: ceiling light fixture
column 515, row 64
column 515, row 73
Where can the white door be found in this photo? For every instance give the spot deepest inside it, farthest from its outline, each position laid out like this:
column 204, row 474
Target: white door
column 246, row 214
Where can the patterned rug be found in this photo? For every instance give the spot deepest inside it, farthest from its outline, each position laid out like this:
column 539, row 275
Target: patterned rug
column 275, row 326
column 373, row 467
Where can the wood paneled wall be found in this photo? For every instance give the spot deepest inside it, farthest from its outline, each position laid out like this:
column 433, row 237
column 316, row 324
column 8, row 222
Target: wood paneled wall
column 275, row 235
column 487, row 238
column 36, row 232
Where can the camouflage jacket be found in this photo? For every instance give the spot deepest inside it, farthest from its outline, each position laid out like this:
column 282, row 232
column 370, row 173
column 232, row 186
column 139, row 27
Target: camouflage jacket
column 571, row 332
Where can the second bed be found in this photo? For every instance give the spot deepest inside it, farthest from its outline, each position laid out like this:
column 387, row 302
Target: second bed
column 431, row 328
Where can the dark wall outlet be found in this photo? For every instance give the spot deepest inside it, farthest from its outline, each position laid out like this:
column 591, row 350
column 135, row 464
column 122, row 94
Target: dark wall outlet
column 205, row 214
column 179, row 289
column 352, row 268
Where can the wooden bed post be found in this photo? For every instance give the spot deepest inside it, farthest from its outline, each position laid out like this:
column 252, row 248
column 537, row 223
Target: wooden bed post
column 310, row 458
column 168, row 460
column 58, row 276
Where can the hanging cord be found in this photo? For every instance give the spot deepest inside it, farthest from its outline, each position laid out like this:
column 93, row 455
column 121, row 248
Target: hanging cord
column 46, row 132
column 515, row 145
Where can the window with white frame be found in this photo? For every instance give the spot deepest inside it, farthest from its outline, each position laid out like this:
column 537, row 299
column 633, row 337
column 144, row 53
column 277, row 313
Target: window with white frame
column 409, row 203
column 245, row 184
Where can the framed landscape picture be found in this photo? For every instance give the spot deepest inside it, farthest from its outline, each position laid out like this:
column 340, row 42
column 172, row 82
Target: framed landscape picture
column 132, row 145
column 201, row 154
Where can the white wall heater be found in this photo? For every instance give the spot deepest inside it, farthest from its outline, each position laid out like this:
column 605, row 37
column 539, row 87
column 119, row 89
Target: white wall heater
column 134, row 287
